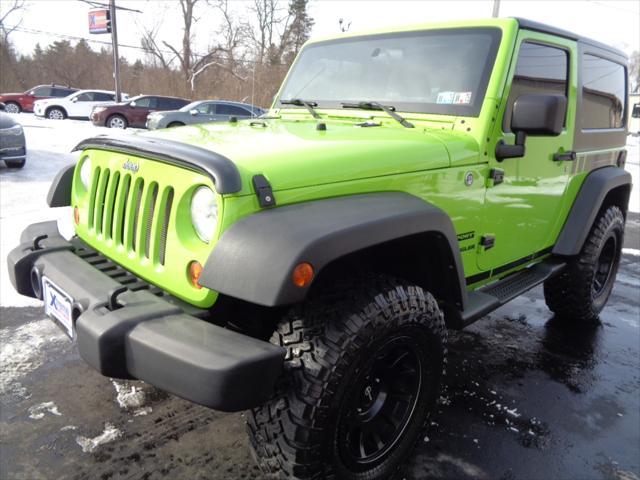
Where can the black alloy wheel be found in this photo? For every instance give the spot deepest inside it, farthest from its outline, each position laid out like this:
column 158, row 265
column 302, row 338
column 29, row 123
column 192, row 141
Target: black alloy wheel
column 379, row 406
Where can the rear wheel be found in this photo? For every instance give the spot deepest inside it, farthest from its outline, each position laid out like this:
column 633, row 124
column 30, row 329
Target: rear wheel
column 581, row 291
column 363, row 369
column 56, row 113
column 117, row 121
column 12, row 107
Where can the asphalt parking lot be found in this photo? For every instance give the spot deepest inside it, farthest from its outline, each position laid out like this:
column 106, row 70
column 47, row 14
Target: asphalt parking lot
column 527, row 396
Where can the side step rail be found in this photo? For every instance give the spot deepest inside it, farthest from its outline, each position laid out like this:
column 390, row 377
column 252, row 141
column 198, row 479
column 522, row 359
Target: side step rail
column 492, row 296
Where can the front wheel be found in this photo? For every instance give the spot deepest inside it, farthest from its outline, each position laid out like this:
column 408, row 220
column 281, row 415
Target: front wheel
column 581, row 291
column 175, row 124
column 56, row 113
column 12, row 107
column 117, row 121
column 362, row 372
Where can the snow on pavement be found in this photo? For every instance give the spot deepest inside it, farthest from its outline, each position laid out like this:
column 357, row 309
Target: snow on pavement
column 23, row 192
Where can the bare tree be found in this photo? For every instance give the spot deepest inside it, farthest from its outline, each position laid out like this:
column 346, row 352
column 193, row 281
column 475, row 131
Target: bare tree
column 9, row 9
column 191, row 63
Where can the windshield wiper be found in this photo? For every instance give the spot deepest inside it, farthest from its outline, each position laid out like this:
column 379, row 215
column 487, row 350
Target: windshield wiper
column 303, row 103
column 389, row 109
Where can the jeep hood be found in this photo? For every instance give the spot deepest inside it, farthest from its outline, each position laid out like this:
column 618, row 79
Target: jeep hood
column 295, row 154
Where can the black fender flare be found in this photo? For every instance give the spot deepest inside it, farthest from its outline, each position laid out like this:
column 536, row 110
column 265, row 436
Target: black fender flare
column 60, row 190
column 588, row 202
column 255, row 257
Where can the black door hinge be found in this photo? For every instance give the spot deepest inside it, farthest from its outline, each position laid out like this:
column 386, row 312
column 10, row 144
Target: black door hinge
column 263, row 191
column 497, row 175
column 487, row 241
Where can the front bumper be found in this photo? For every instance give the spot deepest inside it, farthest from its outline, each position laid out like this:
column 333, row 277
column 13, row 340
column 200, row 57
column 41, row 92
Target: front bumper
column 126, row 328
column 38, row 110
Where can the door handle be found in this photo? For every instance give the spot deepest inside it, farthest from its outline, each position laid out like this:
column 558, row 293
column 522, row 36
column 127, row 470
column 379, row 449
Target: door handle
column 565, row 157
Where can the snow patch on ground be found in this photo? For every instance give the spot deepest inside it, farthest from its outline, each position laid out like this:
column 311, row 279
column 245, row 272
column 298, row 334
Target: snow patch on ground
column 21, row 352
column 631, row 251
column 37, row 412
column 142, row 412
column 129, row 397
column 109, row 434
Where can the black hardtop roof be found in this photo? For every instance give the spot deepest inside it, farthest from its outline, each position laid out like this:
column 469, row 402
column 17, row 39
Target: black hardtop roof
column 544, row 28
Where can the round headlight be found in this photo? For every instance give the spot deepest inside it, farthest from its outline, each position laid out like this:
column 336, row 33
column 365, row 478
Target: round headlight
column 204, row 213
column 85, row 172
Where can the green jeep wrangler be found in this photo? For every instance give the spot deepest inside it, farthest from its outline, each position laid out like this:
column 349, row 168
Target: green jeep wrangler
column 306, row 265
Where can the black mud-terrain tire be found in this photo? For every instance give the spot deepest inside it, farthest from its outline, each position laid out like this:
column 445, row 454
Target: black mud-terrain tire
column 337, row 342
column 581, row 291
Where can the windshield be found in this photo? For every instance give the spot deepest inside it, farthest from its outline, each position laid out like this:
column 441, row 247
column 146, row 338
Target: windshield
column 436, row 71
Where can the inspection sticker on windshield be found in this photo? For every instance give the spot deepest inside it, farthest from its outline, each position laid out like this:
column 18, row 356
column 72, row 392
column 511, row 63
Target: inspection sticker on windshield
column 456, row 98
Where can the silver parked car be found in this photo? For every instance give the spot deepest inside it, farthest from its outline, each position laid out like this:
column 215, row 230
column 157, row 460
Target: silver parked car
column 202, row 111
column 13, row 149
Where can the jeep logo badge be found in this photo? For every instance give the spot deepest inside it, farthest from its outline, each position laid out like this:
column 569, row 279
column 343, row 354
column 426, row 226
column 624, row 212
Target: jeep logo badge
column 131, row 166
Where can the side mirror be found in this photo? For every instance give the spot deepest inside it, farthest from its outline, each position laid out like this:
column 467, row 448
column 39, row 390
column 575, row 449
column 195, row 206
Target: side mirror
column 132, row 104
column 193, row 112
column 74, row 99
column 536, row 115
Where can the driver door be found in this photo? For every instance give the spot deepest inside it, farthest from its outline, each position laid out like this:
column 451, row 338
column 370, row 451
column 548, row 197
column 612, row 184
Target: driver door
column 523, row 213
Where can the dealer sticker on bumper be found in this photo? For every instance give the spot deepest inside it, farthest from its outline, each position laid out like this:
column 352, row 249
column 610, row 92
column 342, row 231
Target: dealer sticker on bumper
column 57, row 304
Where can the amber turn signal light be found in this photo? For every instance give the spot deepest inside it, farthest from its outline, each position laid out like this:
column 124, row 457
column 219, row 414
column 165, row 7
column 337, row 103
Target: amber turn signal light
column 76, row 215
column 195, row 270
column 302, row 275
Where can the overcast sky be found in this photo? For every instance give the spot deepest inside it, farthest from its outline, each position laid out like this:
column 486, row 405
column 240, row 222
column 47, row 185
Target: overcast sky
column 615, row 22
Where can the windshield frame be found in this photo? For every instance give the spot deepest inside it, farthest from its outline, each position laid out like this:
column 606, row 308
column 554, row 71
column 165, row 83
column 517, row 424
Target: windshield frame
column 472, row 110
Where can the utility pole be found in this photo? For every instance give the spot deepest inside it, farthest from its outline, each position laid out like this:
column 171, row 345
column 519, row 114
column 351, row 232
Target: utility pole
column 496, row 8
column 114, row 43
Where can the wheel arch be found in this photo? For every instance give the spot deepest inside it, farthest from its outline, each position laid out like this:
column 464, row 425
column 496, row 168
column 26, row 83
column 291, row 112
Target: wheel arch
column 395, row 232
column 59, row 107
column 601, row 188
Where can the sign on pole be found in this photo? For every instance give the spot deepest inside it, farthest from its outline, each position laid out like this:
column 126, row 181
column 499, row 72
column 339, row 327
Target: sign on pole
column 99, row 21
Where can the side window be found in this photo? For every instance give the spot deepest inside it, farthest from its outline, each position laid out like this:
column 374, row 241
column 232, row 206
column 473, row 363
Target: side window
column 61, row 92
column 144, row 102
column 603, row 93
column 204, row 108
column 177, row 104
column 540, row 69
column 224, row 109
column 635, row 113
column 85, row 97
column 103, row 97
column 42, row 92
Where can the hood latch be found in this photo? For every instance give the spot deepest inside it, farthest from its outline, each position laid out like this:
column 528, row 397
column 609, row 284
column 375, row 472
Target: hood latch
column 263, row 191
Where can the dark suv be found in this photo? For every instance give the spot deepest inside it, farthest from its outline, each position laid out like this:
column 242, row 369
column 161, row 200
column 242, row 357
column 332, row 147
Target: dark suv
column 19, row 102
column 133, row 112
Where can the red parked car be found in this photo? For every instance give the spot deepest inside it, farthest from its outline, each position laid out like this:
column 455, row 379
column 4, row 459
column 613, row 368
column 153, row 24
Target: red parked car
column 133, row 112
column 23, row 102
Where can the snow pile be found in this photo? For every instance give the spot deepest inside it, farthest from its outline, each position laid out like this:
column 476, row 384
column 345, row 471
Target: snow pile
column 37, row 412
column 109, row 434
column 21, row 352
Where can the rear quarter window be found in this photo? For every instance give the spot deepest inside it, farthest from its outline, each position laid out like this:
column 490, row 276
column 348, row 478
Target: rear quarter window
column 603, row 93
